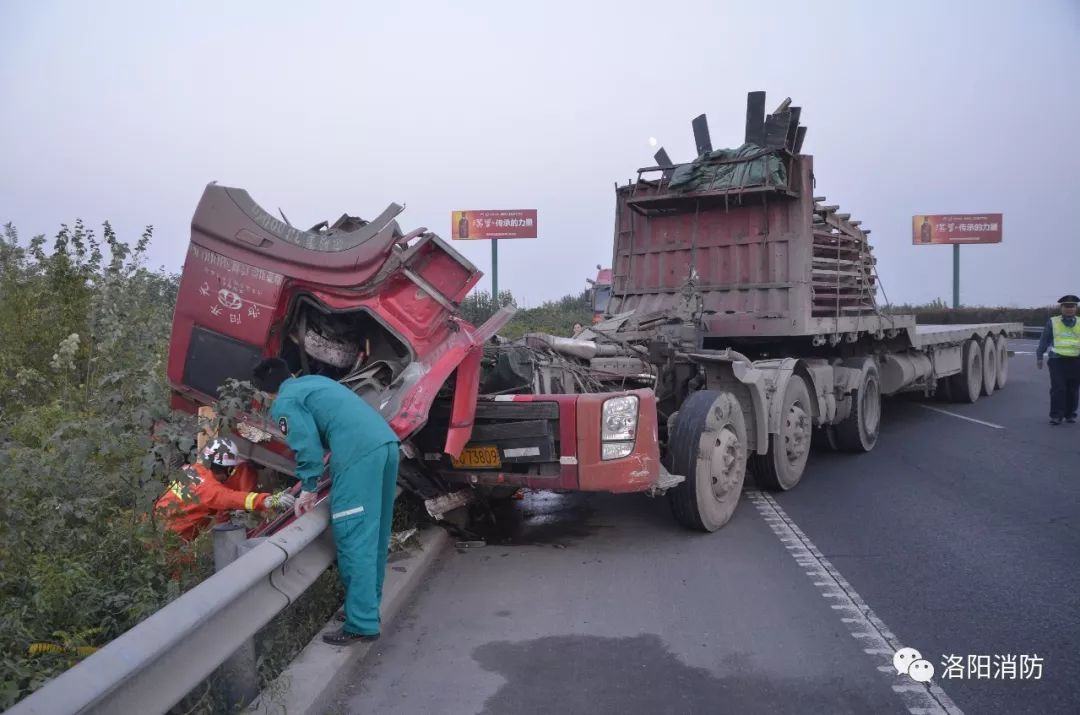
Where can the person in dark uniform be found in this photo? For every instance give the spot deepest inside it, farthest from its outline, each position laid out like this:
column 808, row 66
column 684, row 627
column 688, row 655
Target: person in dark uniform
column 1061, row 337
column 317, row 414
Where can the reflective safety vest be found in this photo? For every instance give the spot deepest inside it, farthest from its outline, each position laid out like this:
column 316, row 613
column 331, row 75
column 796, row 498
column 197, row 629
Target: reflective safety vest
column 1066, row 339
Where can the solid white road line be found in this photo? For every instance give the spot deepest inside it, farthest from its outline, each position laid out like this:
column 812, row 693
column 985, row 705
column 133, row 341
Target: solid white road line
column 862, row 623
column 961, row 417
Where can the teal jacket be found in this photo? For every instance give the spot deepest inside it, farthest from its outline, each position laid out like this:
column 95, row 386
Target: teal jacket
column 317, row 414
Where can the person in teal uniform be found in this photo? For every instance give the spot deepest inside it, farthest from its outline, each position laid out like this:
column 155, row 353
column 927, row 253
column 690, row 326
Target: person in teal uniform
column 317, row 414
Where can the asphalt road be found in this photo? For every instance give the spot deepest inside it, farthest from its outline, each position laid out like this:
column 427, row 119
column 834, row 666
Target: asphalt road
column 953, row 537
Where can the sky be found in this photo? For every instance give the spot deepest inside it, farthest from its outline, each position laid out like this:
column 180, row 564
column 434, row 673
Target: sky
column 124, row 111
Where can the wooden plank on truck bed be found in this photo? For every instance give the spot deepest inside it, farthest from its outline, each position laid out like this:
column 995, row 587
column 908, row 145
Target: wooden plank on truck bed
column 844, row 295
column 844, row 226
column 822, row 273
column 825, row 239
column 755, row 118
column 800, row 137
column 793, row 127
column 832, row 253
column 700, row 126
column 845, row 241
column 825, row 261
column 860, row 277
column 776, row 129
column 848, row 285
column 820, row 232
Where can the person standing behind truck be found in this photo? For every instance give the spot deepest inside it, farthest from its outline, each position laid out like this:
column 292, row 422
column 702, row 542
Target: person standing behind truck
column 1062, row 337
column 317, row 414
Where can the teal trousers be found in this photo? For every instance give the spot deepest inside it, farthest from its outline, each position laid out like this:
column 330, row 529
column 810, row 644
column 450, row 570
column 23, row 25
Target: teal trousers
column 361, row 514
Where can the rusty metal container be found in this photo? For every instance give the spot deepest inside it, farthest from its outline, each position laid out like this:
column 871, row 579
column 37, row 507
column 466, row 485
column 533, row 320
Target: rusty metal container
column 766, row 257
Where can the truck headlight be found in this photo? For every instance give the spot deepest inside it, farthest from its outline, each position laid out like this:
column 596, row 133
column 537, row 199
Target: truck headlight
column 619, row 418
column 618, row 427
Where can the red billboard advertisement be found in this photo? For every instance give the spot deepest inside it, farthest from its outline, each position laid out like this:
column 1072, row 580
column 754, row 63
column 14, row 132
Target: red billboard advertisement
column 477, row 225
column 928, row 229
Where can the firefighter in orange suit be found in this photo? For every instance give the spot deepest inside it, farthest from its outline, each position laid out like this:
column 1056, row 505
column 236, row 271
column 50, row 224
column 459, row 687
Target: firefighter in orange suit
column 221, row 482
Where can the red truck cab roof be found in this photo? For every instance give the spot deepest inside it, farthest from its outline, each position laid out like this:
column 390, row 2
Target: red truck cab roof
column 359, row 301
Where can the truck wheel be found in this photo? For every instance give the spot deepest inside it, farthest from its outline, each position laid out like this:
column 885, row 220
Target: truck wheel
column 966, row 385
column 990, row 366
column 1002, row 361
column 707, row 445
column 782, row 468
column 858, row 432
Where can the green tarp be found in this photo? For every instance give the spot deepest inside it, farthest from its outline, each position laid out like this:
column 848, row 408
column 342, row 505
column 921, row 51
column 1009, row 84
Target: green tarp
column 726, row 169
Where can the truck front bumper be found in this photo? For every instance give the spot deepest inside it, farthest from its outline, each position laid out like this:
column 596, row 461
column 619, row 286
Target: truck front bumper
column 581, row 464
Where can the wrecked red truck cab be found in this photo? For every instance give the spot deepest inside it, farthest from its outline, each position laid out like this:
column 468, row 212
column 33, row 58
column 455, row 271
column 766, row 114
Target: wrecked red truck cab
column 376, row 309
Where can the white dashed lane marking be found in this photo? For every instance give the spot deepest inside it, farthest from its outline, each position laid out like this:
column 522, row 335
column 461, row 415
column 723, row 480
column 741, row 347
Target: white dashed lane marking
column 962, row 417
column 863, row 624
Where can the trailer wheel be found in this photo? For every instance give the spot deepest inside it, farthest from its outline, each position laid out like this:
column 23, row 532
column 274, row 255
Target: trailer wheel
column 1002, row 361
column 858, row 432
column 783, row 466
column 990, row 366
column 707, row 445
column 966, row 385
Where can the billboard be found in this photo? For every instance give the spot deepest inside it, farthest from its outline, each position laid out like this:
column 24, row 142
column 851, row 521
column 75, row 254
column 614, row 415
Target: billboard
column 928, row 229
column 478, row 225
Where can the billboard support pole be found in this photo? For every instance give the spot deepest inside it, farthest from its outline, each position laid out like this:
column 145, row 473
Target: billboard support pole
column 495, row 270
column 956, row 275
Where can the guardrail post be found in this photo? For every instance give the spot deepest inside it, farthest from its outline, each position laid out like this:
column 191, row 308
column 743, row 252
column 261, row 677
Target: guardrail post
column 240, row 684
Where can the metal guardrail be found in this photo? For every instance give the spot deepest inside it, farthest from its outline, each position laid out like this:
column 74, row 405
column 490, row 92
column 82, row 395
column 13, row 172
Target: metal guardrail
column 154, row 665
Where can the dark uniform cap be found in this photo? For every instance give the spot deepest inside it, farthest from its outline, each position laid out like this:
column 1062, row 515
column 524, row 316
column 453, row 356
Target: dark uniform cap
column 1070, row 298
column 269, row 374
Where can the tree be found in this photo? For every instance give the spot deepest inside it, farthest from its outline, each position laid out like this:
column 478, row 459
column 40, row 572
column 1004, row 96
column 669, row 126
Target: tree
column 478, row 306
column 556, row 317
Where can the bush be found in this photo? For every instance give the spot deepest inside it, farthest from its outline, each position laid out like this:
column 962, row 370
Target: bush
column 83, row 338
column 87, row 444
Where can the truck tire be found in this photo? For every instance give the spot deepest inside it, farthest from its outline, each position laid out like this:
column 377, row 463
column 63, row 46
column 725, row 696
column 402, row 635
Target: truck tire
column 707, row 445
column 966, row 385
column 1002, row 361
column 783, row 466
column 990, row 366
column 858, row 432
